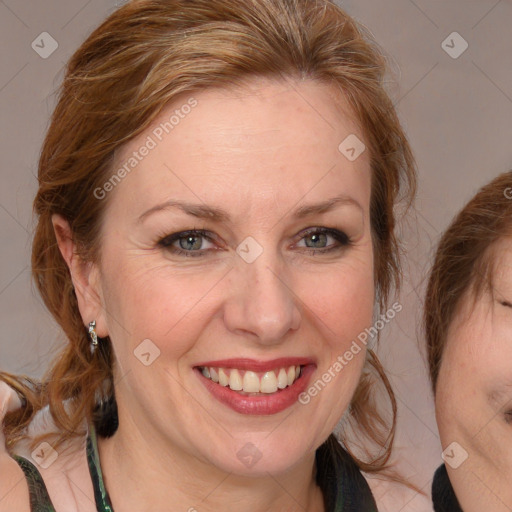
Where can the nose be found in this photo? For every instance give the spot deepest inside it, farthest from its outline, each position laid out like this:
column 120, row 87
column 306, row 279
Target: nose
column 261, row 303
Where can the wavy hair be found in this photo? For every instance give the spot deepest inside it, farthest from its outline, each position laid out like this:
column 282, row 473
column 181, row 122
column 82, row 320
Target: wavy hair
column 128, row 69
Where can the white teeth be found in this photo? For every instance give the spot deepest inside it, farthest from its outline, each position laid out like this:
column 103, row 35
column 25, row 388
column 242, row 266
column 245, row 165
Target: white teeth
column 282, row 379
column 223, row 378
column 291, row 375
column 251, row 382
column 268, row 382
column 235, row 381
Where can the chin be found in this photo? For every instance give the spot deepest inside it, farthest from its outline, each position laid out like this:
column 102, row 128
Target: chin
column 259, row 458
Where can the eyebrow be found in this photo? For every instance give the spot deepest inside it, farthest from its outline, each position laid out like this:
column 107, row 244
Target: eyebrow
column 203, row 211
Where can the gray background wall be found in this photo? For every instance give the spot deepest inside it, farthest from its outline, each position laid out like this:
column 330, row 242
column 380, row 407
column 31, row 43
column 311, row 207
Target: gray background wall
column 457, row 112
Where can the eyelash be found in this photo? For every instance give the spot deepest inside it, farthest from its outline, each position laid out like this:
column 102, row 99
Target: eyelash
column 167, row 241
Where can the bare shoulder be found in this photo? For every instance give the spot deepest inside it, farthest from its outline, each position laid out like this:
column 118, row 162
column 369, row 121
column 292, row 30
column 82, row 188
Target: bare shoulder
column 14, row 493
column 393, row 497
column 63, row 468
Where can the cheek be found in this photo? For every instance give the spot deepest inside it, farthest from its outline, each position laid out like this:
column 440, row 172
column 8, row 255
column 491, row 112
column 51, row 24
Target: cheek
column 472, row 370
column 344, row 302
column 172, row 306
column 161, row 304
column 457, row 391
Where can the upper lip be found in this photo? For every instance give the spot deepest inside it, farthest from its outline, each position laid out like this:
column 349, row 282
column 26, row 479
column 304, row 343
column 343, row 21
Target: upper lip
column 257, row 366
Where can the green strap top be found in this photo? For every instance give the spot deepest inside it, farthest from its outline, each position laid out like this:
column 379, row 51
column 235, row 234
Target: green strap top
column 344, row 487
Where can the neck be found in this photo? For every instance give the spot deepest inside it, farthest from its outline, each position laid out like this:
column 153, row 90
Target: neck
column 132, row 461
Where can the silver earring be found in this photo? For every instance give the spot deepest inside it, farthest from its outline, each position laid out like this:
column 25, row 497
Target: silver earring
column 93, row 335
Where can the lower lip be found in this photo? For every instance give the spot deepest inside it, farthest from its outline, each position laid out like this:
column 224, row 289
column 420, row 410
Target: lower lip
column 259, row 405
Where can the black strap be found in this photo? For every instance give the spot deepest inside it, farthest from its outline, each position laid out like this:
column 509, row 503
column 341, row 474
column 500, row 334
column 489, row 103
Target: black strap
column 344, row 487
column 443, row 496
column 39, row 498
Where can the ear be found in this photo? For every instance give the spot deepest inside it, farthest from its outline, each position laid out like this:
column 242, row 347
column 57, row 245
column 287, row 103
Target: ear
column 85, row 277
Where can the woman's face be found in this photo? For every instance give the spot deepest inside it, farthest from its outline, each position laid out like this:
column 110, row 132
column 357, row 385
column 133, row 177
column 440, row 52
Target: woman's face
column 474, row 397
column 270, row 281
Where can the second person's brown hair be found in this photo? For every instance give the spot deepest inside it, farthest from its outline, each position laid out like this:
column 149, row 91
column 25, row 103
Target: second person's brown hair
column 464, row 262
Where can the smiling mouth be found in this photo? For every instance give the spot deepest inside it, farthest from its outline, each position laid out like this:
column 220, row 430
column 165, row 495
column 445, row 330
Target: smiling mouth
column 249, row 383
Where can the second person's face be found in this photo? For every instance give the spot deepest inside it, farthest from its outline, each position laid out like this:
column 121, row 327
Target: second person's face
column 474, row 395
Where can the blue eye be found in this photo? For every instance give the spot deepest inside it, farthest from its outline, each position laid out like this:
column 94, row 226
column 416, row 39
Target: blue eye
column 190, row 242
column 319, row 235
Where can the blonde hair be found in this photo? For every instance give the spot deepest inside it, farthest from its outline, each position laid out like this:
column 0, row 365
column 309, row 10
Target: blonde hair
column 140, row 58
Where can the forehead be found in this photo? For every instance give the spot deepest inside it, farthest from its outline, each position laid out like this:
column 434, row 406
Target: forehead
column 476, row 313
column 500, row 261
column 264, row 138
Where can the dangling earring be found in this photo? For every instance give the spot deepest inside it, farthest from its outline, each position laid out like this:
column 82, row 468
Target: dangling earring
column 93, row 335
